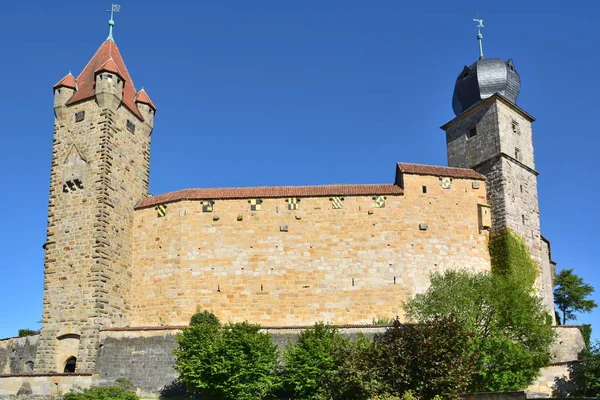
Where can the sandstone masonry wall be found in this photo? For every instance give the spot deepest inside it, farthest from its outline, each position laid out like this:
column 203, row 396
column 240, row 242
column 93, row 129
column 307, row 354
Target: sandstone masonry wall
column 347, row 265
column 17, row 355
column 99, row 172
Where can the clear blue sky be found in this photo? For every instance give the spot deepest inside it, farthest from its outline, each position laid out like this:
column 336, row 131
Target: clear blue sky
column 274, row 92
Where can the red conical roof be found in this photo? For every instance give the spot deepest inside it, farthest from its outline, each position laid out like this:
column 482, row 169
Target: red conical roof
column 142, row 97
column 110, row 66
column 68, row 81
column 87, row 77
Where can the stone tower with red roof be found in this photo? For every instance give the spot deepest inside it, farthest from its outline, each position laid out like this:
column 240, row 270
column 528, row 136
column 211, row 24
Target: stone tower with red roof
column 100, row 168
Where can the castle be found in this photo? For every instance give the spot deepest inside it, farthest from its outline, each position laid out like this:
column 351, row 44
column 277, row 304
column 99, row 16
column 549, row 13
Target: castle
column 122, row 265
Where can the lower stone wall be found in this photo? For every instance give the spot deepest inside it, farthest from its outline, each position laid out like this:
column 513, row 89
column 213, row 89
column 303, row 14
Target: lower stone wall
column 17, row 355
column 41, row 386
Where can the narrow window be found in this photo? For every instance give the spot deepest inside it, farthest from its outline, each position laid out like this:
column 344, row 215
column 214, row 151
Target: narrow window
column 515, row 127
column 517, row 154
column 109, row 78
column 130, row 126
column 79, row 116
column 70, row 365
column 521, row 188
column 523, row 218
column 424, row 189
column 472, row 132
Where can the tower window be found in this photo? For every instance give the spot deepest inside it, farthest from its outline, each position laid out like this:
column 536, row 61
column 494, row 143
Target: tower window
column 517, row 154
column 424, row 189
column 515, row 127
column 79, row 116
column 70, row 365
column 130, row 126
column 472, row 132
column 523, row 218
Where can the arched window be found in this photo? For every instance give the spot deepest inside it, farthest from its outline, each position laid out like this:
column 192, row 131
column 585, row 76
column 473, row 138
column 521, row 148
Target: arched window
column 70, row 365
column 29, row 367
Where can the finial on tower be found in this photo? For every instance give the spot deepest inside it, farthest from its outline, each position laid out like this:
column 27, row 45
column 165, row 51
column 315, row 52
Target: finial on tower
column 115, row 8
column 479, row 35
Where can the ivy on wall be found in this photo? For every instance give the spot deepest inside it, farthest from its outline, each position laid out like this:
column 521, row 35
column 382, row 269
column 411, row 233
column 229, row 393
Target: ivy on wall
column 510, row 257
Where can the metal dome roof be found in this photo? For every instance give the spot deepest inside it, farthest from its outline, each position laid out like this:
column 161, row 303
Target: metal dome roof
column 482, row 79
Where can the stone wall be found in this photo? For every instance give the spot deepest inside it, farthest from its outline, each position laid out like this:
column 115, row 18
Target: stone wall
column 348, row 265
column 99, row 172
column 17, row 355
column 43, row 386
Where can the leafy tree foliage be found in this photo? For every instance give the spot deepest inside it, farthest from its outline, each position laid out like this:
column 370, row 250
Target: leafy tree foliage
column 234, row 362
column 585, row 377
column 204, row 317
column 437, row 357
column 511, row 259
column 27, row 332
column 121, row 391
column 307, row 360
column 571, row 295
column 512, row 337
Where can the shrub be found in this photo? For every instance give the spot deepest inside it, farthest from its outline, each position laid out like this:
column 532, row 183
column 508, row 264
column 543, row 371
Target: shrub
column 236, row 362
column 204, row 317
column 121, row 391
column 585, row 377
column 27, row 332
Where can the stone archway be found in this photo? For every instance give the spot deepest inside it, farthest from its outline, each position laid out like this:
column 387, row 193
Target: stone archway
column 67, row 349
column 70, row 365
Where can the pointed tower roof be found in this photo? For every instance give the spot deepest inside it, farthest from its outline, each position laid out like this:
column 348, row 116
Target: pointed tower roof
column 87, row 78
column 68, row 81
column 110, row 66
column 142, row 97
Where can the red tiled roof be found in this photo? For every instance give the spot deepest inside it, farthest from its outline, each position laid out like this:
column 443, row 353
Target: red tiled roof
column 68, row 81
column 110, row 66
column 142, row 97
column 422, row 169
column 270, row 192
column 87, row 77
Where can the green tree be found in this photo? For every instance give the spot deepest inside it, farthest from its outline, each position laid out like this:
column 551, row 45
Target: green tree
column 427, row 359
column 307, row 360
column 571, row 295
column 512, row 336
column 234, row 362
column 585, row 377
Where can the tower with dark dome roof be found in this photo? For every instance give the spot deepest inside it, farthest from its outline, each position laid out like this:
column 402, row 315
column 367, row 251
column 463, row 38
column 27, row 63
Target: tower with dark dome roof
column 493, row 135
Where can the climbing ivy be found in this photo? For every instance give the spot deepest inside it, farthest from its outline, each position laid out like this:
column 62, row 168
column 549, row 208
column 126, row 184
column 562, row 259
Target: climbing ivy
column 510, row 258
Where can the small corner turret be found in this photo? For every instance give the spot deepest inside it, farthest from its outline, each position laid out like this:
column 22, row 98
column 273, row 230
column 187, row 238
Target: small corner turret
column 109, row 85
column 63, row 91
column 146, row 107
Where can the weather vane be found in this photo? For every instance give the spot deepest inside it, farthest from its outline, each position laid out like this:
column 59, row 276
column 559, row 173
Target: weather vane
column 114, row 9
column 479, row 35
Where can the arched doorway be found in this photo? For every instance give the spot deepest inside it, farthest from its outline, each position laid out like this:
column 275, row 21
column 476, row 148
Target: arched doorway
column 70, row 365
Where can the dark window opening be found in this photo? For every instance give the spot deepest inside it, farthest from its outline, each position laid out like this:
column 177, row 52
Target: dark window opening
column 517, row 154
column 521, row 188
column 79, row 116
column 130, row 126
column 515, row 127
column 523, row 219
column 70, row 365
column 472, row 132
column 29, row 366
column 424, row 189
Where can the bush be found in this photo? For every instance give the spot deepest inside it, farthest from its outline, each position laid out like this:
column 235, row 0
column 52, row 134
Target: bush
column 585, row 377
column 308, row 359
column 121, row 391
column 436, row 357
column 512, row 337
column 236, row 362
column 204, row 317
column 27, row 332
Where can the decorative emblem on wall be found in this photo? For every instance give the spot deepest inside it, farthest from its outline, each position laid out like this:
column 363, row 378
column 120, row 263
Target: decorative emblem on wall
column 161, row 210
column 379, row 201
column 255, row 204
column 446, row 182
column 292, row 203
column 336, row 202
column 207, row 205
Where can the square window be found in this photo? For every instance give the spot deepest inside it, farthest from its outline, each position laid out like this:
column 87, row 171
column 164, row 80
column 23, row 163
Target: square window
column 130, row 126
column 79, row 116
column 515, row 127
column 517, row 154
column 472, row 132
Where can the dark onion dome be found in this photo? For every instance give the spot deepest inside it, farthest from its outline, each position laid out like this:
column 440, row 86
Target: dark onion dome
column 482, row 79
